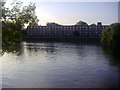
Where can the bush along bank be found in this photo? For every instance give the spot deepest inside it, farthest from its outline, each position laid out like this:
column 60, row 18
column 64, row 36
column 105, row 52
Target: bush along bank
column 110, row 36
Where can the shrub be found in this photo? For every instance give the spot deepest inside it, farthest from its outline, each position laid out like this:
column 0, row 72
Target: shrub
column 110, row 36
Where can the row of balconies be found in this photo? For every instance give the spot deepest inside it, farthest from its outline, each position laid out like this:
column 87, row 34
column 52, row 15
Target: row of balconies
column 55, row 29
column 67, row 27
column 59, row 31
column 93, row 30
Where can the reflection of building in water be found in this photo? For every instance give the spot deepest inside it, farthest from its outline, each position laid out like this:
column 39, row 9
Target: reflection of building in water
column 50, row 48
column 53, row 29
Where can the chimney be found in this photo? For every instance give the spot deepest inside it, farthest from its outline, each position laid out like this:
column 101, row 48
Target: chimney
column 99, row 23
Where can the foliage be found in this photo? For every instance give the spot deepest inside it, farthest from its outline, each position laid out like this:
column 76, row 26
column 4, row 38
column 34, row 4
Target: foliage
column 111, row 35
column 81, row 23
column 14, row 20
column 10, row 33
column 20, row 14
column 33, row 24
column 93, row 24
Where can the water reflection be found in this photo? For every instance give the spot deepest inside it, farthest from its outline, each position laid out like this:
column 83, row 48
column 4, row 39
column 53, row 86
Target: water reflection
column 12, row 48
column 51, row 49
column 113, row 54
column 58, row 65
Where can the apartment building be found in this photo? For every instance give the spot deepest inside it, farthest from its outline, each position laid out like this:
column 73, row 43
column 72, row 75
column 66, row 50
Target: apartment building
column 56, row 30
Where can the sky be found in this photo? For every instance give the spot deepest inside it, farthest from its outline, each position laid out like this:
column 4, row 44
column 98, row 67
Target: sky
column 69, row 12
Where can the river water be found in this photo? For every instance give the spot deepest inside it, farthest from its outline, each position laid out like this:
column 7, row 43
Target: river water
column 59, row 65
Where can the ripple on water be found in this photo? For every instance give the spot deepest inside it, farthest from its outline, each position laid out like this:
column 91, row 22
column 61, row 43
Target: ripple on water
column 45, row 65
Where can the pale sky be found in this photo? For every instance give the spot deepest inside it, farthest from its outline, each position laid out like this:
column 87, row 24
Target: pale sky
column 69, row 13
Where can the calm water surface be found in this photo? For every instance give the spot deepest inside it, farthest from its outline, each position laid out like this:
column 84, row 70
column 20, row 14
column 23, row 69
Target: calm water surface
column 59, row 65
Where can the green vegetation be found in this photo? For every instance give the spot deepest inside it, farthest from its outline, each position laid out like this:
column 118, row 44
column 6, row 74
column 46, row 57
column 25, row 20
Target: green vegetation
column 111, row 35
column 14, row 20
column 11, row 33
column 81, row 23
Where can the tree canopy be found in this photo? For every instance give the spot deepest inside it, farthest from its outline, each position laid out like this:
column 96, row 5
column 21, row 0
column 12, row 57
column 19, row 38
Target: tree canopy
column 111, row 35
column 14, row 20
column 20, row 14
column 93, row 24
column 81, row 23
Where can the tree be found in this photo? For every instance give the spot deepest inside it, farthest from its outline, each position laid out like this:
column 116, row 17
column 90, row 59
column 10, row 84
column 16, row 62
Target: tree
column 93, row 24
column 11, row 33
column 20, row 14
column 81, row 23
column 14, row 20
column 33, row 24
column 110, row 36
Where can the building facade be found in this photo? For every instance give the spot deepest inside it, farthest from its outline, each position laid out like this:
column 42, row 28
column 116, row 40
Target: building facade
column 55, row 30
